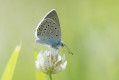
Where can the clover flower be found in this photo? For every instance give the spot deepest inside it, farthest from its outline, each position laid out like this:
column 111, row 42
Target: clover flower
column 50, row 62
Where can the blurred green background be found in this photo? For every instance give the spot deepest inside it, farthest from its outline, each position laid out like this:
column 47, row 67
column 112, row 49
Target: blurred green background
column 89, row 27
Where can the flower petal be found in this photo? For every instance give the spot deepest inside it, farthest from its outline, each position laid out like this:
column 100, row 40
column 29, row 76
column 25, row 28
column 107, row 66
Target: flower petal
column 50, row 61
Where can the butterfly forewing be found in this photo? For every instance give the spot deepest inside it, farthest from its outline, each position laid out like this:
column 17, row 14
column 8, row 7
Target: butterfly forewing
column 53, row 15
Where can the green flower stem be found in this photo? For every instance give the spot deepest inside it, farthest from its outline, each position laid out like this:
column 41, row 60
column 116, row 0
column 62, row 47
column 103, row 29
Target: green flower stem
column 50, row 76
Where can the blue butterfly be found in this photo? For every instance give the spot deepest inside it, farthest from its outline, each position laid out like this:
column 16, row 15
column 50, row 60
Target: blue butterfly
column 48, row 31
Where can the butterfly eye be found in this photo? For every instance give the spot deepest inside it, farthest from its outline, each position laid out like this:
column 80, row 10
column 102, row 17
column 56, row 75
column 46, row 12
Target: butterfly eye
column 62, row 44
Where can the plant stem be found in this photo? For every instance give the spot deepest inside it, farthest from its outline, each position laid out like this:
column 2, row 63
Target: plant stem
column 50, row 76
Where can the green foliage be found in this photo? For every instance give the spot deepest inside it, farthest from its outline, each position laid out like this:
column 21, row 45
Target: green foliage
column 40, row 76
column 9, row 70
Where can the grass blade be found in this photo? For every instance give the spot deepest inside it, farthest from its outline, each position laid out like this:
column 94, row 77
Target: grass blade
column 9, row 70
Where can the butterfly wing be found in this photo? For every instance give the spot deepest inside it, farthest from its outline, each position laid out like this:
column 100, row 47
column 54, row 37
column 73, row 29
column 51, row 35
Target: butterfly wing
column 48, row 31
column 53, row 15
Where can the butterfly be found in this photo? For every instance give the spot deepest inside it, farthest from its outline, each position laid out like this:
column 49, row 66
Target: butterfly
column 48, row 31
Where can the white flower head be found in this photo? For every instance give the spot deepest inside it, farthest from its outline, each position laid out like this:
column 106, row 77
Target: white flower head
column 50, row 61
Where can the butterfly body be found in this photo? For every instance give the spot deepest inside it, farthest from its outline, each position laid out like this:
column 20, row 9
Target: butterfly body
column 48, row 31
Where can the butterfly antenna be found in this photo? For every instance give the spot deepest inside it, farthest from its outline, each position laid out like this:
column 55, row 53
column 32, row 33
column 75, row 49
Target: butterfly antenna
column 69, row 51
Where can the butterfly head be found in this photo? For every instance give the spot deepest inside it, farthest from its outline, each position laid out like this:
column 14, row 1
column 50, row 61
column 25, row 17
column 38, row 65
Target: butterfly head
column 57, row 46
